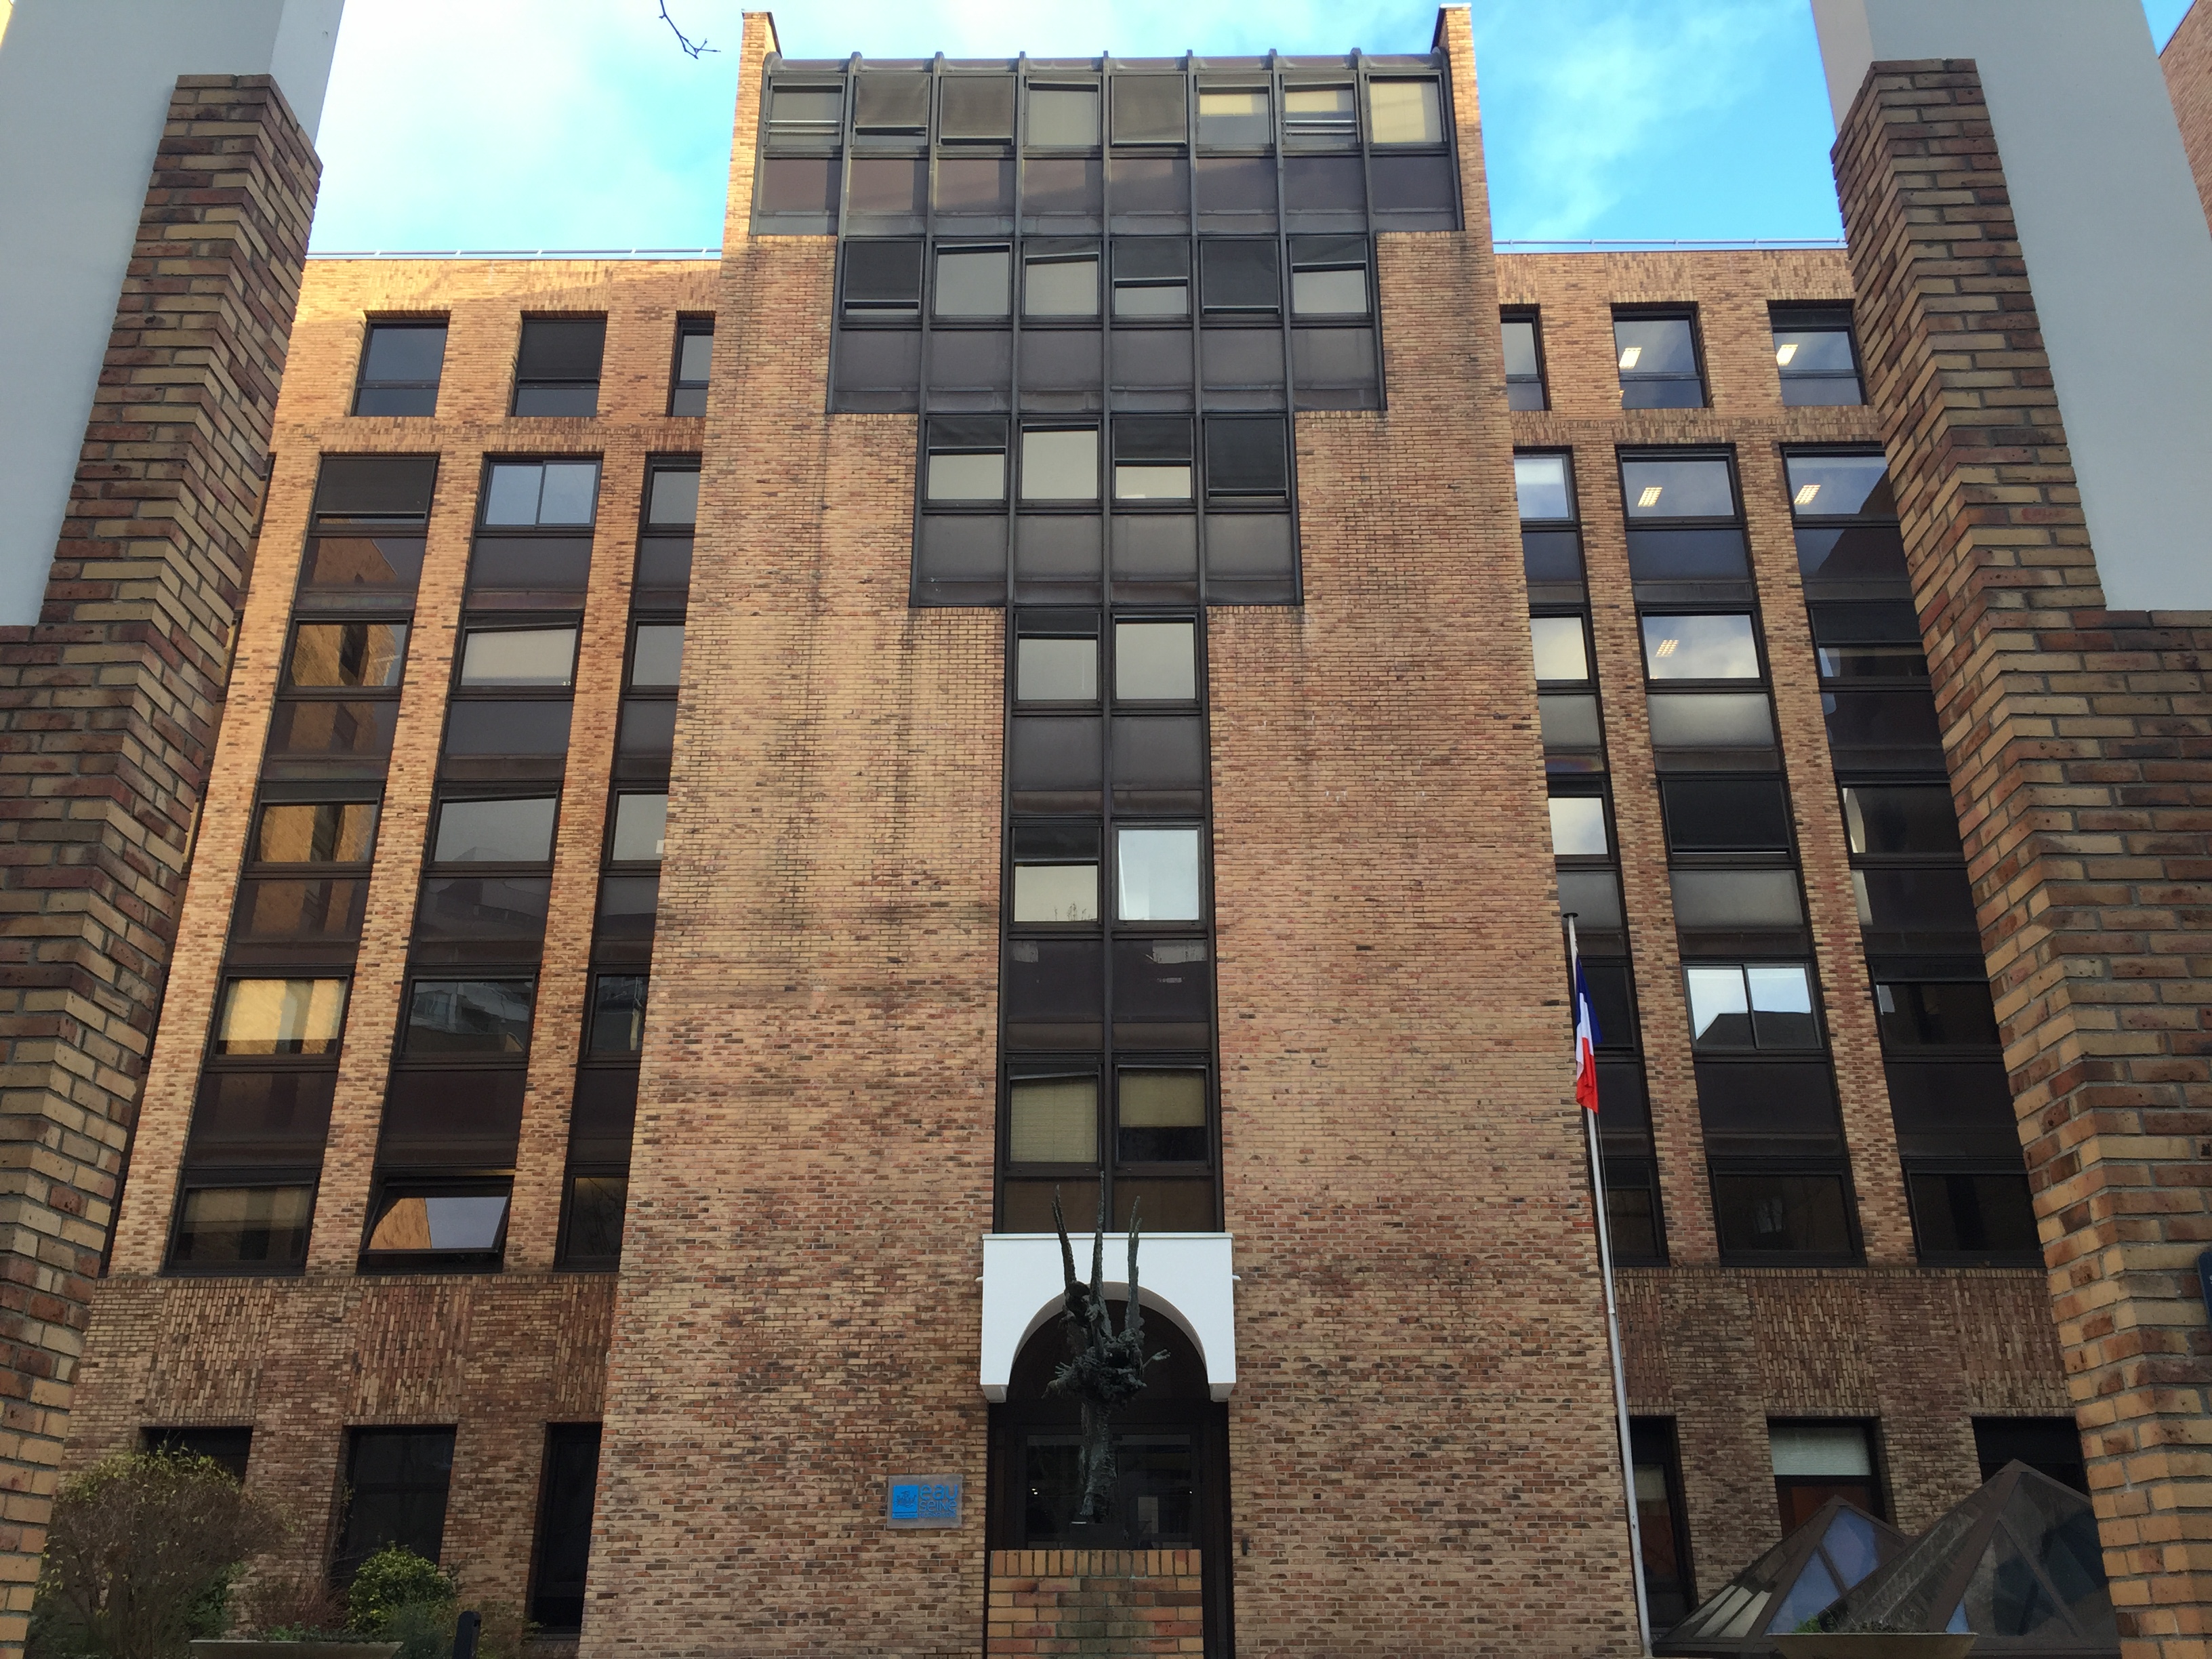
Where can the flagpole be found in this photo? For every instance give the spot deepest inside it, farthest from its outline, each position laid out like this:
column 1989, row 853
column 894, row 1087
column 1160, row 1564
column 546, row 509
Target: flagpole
column 1613, row 1326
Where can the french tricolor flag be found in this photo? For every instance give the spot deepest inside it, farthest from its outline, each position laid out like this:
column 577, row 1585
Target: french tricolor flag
column 1586, row 1031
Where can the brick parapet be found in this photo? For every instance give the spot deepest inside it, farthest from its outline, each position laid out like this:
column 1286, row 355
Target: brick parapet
column 2077, row 740
column 109, row 709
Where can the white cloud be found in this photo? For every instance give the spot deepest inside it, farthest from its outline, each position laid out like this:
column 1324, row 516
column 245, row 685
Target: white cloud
column 1591, row 91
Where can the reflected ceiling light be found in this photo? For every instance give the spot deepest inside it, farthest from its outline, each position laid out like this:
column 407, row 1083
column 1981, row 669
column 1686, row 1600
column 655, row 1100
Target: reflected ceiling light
column 1784, row 354
column 1650, row 496
column 1666, row 647
column 1805, row 494
column 1629, row 356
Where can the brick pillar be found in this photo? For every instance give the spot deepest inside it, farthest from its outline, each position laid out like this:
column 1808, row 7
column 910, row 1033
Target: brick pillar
column 2077, row 740
column 108, row 710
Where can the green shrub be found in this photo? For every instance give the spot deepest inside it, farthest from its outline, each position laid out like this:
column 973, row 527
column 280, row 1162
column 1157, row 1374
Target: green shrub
column 141, row 1555
column 396, row 1577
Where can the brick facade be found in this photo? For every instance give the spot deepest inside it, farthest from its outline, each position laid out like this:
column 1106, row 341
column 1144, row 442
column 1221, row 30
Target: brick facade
column 110, row 703
column 2187, row 60
column 1422, row 1444
column 2076, row 739
column 1920, row 1351
column 1051, row 1602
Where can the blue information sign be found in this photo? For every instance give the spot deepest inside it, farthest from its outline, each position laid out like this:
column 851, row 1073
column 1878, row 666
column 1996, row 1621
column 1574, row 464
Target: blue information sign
column 924, row 1500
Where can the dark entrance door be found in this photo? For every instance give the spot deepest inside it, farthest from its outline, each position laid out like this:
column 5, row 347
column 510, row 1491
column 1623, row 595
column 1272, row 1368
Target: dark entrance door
column 1171, row 1452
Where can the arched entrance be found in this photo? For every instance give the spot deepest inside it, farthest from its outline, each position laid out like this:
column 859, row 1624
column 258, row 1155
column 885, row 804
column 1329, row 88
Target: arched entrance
column 1171, row 1449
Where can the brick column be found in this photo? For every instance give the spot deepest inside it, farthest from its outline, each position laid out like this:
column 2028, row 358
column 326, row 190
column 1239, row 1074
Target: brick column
column 108, row 711
column 2077, row 738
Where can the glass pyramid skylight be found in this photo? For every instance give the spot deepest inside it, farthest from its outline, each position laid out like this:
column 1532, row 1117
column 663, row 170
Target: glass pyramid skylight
column 1840, row 1547
column 2018, row 1564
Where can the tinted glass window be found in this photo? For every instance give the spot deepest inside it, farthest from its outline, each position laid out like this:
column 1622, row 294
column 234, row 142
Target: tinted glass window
column 657, row 657
column 246, row 1227
column 1239, row 276
column 1234, row 116
column 1404, row 113
column 1048, row 669
column 1540, row 485
column 318, row 832
column 1246, row 457
column 1561, row 651
column 1064, row 118
column 495, row 831
column 1678, row 489
column 1150, row 109
column 1701, row 648
column 674, row 498
column 1060, row 465
column 1061, row 288
column 369, row 655
column 1901, row 818
column 1834, row 486
column 484, row 1017
column 972, row 281
column 536, row 656
column 1155, row 661
column 1654, row 345
column 281, row 1017
column 640, row 833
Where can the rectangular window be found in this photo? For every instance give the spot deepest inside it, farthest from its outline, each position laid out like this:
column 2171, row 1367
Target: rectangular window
column 1524, row 362
column 486, row 1017
column 1152, row 459
column 315, row 832
column 1757, row 1006
column 1328, row 277
column 438, row 1227
column 1060, row 463
column 1150, row 109
column 1669, row 1586
column 396, row 1481
column 1658, row 361
column 358, row 656
column 1562, row 649
column 566, row 1488
column 1247, row 457
column 656, row 655
column 1157, row 875
column 281, row 1017
column 892, row 102
column 2049, row 1445
column 1321, row 114
column 814, row 110
column 695, row 363
column 1056, row 667
column 539, row 658
column 1235, row 118
column 1063, row 117
column 523, row 493
column 640, row 831
column 1543, row 488
column 1815, row 1461
column 242, row 1229
column 401, row 363
column 1816, row 355
column 1723, row 648
column 1155, row 662
column 1404, row 113
column 883, row 281
column 229, row 1449
column 1660, row 487
column 1239, row 278
column 1060, row 285
column 966, row 460
column 510, row 831
column 975, row 106
column 1151, row 276
column 1578, row 828
column 557, row 369
column 1055, row 873
column 973, row 282
column 616, row 1025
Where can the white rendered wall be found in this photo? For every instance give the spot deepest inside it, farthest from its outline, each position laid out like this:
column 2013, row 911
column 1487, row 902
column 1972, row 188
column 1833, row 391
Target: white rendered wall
column 84, row 89
column 2117, row 251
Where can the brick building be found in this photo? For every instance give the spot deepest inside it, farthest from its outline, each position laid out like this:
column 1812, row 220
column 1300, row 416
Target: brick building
column 1042, row 671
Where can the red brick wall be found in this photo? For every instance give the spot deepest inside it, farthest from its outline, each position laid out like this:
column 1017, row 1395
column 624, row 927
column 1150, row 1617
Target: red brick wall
column 109, row 706
column 1722, row 1350
column 300, row 1360
column 1132, row 1602
column 2187, row 60
column 2076, row 739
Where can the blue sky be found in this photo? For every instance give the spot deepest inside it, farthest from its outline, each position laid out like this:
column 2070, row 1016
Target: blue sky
column 580, row 124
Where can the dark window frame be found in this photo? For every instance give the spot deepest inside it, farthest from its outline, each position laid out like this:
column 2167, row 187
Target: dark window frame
column 550, row 383
column 1532, row 316
column 1701, row 375
column 1808, row 316
column 689, row 325
column 419, row 323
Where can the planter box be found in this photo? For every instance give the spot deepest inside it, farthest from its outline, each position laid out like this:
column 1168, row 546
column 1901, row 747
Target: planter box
column 227, row 1648
column 1867, row 1644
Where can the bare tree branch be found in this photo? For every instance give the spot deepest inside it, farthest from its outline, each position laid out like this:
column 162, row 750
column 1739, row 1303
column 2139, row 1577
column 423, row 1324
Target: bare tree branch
column 695, row 51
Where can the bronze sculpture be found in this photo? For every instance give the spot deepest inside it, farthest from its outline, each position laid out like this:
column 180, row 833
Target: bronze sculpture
column 1105, row 1368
